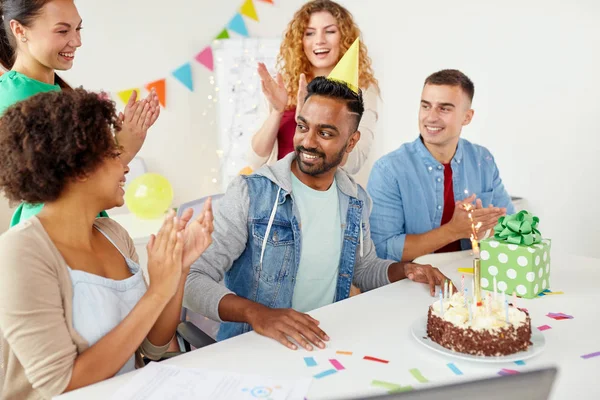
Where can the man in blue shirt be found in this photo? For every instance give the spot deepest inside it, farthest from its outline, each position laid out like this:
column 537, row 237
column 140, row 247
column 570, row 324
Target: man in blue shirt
column 294, row 235
column 420, row 191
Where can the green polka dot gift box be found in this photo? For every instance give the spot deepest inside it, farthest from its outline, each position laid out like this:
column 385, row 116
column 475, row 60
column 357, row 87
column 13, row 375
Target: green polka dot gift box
column 517, row 256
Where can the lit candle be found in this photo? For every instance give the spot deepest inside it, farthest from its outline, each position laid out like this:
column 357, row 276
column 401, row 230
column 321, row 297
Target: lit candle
column 462, row 284
column 514, row 298
column 495, row 288
column 475, row 245
column 473, row 289
column 446, row 288
column 506, row 307
column 465, row 294
column 441, row 303
column 477, row 277
column 450, row 291
column 488, row 304
column 469, row 306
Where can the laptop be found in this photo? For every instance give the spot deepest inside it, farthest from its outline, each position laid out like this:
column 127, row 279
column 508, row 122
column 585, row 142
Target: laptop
column 530, row 385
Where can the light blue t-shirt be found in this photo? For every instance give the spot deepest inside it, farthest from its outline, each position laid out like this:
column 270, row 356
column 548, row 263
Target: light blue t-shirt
column 321, row 229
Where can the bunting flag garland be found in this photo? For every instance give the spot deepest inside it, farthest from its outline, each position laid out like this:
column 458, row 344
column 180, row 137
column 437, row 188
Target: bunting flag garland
column 124, row 95
column 223, row 35
column 248, row 10
column 238, row 25
column 160, row 88
column 205, row 57
column 183, row 73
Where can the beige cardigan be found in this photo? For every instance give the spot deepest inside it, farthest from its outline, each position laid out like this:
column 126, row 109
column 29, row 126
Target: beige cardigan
column 39, row 343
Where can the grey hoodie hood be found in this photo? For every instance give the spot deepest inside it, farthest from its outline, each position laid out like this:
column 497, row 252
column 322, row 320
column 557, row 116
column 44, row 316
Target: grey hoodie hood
column 280, row 173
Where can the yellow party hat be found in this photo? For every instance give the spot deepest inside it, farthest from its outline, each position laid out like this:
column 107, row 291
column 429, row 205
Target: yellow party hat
column 346, row 69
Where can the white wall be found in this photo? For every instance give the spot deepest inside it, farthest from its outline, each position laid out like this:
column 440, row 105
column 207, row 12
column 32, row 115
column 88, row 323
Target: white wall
column 534, row 63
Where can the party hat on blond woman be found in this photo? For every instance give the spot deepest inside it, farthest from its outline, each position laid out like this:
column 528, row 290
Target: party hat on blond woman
column 346, row 69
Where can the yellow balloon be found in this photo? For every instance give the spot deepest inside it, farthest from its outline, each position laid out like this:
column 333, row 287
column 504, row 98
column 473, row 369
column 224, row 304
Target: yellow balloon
column 149, row 196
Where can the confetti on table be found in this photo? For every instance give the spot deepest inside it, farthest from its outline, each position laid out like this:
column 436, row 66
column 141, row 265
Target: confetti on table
column 454, row 369
column 325, row 373
column 391, row 387
column 506, row 371
column 544, row 327
column 310, row 362
column 553, row 293
column 520, row 362
column 586, row 356
column 466, row 270
column 559, row 316
column 385, row 385
column 346, row 353
column 545, row 292
column 369, row 358
column 336, row 364
column 418, row 376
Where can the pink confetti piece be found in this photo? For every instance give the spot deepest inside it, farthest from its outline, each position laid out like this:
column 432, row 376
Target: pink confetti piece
column 336, row 364
column 544, row 327
column 506, row 371
column 559, row 316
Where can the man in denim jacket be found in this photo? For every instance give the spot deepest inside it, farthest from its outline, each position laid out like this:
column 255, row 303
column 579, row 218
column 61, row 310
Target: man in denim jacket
column 294, row 236
column 421, row 190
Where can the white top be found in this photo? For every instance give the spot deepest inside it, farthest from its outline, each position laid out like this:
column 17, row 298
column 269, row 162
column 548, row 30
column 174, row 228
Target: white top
column 358, row 156
column 100, row 304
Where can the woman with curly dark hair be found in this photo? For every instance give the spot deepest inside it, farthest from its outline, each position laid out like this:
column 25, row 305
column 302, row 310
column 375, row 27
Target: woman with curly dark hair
column 38, row 38
column 75, row 305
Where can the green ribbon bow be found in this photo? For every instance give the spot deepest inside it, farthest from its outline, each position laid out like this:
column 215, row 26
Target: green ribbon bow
column 519, row 228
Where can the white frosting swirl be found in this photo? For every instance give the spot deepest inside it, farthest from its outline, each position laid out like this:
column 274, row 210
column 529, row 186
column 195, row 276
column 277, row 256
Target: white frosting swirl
column 456, row 312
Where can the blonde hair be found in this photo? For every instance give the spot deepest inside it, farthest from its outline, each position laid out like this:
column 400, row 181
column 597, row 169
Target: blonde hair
column 292, row 60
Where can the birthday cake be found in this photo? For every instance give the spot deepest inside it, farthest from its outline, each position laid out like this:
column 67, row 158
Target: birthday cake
column 493, row 328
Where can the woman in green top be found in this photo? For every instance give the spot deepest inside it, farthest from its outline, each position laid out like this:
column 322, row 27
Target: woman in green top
column 39, row 37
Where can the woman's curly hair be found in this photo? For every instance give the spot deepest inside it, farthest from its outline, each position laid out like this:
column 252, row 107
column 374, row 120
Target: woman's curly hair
column 292, row 61
column 51, row 138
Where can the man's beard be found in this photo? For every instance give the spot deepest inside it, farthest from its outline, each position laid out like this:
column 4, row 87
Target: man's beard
column 314, row 170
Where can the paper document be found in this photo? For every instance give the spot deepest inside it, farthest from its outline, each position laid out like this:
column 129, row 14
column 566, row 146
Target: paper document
column 166, row 382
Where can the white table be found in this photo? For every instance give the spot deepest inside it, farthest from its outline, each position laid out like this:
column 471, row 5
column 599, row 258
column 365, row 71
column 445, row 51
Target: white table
column 378, row 323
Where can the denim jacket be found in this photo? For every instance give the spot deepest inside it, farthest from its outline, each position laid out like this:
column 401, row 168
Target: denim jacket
column 262, row 206
column 407, row 189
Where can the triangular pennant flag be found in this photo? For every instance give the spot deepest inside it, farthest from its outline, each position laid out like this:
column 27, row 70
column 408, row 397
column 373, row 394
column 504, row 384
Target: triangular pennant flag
column 160, row 86
column 346, row 69
column 184, row 75
column 248, row 10
column 124, row 95
column 205, row 57
column 223, row 35
column 238, row 25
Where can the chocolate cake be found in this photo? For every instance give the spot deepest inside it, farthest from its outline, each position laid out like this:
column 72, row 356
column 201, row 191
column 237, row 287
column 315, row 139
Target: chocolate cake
column 483, row 330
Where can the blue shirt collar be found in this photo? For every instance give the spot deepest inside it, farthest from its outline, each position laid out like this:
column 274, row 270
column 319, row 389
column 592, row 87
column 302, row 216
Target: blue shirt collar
column 429, row 160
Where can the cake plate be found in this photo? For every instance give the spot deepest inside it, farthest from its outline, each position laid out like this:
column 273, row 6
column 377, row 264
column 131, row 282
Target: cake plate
column 419, row 332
